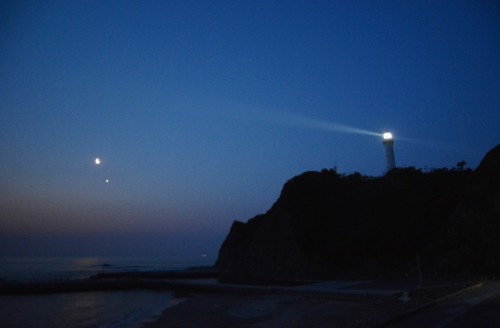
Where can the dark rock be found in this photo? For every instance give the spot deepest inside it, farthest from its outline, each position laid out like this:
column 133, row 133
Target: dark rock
column 264, row 248
column 324, row 225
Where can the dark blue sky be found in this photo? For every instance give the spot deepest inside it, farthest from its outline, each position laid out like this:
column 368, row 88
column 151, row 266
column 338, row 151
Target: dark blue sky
column 201, row 110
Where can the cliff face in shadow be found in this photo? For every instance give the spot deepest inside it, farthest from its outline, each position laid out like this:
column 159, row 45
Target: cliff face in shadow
column 325, row 225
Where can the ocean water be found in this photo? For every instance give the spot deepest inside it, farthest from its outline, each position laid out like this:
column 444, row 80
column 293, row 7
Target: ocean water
column 113, row 309
column 63, row 268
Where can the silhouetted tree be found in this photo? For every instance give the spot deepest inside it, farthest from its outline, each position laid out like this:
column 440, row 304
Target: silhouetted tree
column 461, row 165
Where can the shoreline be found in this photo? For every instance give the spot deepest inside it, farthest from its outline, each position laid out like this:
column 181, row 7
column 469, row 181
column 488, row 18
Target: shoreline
column 199, row 299
column 312, row 310
column 168, row 280
column 275, row 310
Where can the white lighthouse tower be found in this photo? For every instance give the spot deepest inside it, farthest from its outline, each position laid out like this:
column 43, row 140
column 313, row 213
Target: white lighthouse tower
column 389, row 150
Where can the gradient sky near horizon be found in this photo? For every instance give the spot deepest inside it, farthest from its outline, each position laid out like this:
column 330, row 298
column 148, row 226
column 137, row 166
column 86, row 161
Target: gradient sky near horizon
column 201, row 110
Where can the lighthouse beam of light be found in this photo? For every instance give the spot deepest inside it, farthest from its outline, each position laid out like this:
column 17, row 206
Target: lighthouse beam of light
column 268, row 115
column 296, row 120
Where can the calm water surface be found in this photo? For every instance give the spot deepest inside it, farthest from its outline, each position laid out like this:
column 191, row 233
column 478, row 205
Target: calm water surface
column 62, row 268
column 119, row 309
column 124, row 309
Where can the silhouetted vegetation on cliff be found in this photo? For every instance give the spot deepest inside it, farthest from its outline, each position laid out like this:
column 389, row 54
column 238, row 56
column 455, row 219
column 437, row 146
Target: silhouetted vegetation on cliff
column 326, row 224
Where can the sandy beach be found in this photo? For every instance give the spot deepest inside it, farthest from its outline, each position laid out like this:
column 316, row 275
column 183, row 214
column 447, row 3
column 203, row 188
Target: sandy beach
column 326, row 310
column 224, row 310
column 200, row 300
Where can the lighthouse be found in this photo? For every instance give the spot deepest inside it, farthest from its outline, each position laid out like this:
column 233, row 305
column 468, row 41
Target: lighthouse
column 388, row 143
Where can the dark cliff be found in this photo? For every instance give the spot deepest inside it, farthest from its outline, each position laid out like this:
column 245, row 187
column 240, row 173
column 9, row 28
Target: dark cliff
column 325, row 225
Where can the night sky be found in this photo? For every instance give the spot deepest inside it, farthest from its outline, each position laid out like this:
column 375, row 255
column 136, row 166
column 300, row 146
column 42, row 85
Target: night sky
column 200, row 111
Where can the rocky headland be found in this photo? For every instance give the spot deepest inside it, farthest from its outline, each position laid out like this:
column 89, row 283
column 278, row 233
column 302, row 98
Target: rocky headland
column 407, row 223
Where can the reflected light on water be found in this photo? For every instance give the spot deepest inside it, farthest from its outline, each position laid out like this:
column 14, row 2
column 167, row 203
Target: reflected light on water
column 124, row 309
column 88, row 261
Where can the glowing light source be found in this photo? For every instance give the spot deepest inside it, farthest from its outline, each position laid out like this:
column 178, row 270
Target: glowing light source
column 107, row 180
column 389, row 150
column 97, row 161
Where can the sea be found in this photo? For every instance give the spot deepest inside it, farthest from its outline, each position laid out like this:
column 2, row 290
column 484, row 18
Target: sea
column 99, row 309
